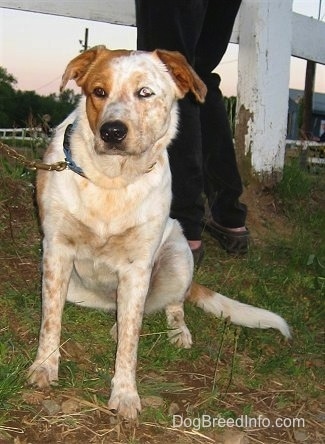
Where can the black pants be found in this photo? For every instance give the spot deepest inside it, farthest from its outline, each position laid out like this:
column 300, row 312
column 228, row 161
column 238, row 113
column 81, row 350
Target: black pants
column 202, row 157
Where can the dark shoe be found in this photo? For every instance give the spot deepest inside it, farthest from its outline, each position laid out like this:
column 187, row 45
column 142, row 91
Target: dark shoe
column 234, row 242
column 198, row 254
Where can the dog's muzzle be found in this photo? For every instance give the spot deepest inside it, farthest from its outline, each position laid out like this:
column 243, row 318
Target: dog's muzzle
column 113, row 132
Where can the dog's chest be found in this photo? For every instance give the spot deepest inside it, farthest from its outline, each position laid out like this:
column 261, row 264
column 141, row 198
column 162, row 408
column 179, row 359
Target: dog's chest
column 109, row 231
column 95, row 216
column 105, row 231
column 100, row 256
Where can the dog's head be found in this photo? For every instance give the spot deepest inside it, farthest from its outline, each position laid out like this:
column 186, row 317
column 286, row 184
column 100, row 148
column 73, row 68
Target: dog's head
column 131, row 96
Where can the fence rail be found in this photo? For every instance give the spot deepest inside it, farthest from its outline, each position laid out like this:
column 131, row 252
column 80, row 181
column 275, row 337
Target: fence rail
column 21, row 133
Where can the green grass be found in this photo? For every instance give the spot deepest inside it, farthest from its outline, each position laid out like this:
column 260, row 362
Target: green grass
column 32, row 149
column 31, row 144
column 283, row 272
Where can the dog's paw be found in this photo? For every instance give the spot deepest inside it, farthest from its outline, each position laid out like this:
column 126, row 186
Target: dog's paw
column 125, row 404
column 181, row 337
column 41, row 375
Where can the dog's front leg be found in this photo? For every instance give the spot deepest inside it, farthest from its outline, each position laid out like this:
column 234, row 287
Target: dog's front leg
column 57, row 269
column 131, row 296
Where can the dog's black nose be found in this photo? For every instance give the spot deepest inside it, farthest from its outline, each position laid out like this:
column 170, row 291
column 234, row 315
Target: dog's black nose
column 114, row 131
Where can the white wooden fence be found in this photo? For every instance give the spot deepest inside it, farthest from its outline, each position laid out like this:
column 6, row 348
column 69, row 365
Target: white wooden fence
column 21, row 133
column 268, row 33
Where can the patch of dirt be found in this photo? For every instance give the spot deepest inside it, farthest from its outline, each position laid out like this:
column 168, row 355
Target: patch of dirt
column 264, row 215
column 65, row 416
column 18, row 231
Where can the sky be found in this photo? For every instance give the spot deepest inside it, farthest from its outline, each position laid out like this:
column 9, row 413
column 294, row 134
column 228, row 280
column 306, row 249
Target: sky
column 35, row 48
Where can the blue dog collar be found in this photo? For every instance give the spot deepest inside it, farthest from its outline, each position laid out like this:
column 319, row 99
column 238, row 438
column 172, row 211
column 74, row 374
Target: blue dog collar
column 67, row 152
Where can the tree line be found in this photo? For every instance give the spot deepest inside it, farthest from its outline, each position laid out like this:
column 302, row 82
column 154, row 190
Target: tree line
column 26, row 109
column 21, row 109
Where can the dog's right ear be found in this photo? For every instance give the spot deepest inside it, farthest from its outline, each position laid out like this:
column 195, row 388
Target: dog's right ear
column 79, row 66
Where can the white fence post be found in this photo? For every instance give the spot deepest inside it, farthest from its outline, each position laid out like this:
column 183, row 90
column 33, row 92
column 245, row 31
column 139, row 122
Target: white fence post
column 263, row 88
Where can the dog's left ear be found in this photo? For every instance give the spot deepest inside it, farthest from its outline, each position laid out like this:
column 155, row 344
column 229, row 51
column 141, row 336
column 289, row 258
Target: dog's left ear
column 79, row 66
column 183, row 74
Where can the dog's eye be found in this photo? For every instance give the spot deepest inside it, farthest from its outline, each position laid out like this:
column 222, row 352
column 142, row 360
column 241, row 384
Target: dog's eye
column 145, row 92
column 100, row 92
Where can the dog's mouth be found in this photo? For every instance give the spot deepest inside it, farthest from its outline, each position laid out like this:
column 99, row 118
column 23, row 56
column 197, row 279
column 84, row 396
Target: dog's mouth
column 112, row 151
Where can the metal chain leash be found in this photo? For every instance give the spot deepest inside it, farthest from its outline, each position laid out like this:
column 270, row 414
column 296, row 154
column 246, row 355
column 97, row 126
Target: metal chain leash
column 32, row 164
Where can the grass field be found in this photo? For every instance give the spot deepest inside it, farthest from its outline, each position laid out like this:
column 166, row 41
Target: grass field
column 230, row 374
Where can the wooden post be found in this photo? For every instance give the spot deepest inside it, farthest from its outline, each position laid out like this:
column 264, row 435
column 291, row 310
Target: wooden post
column 84, row 43
column 263, row 89
column 308, row 98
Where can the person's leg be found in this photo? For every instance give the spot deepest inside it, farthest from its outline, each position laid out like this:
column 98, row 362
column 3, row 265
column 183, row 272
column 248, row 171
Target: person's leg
column 185, row 157
column 176, row 25
column 222, row 182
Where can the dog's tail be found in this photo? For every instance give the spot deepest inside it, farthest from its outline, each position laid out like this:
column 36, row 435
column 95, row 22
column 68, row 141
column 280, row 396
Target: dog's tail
column 237, row 312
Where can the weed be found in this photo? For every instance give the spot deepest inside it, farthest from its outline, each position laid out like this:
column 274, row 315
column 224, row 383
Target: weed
column 16, row 171
column 12, row 368
column 296, row 183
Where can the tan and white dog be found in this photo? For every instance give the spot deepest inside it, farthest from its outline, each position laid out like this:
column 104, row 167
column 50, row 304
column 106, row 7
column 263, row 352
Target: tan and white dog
column 108, row 239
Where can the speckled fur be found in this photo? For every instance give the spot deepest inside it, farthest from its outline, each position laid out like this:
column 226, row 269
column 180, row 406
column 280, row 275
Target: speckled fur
column 108, row 240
